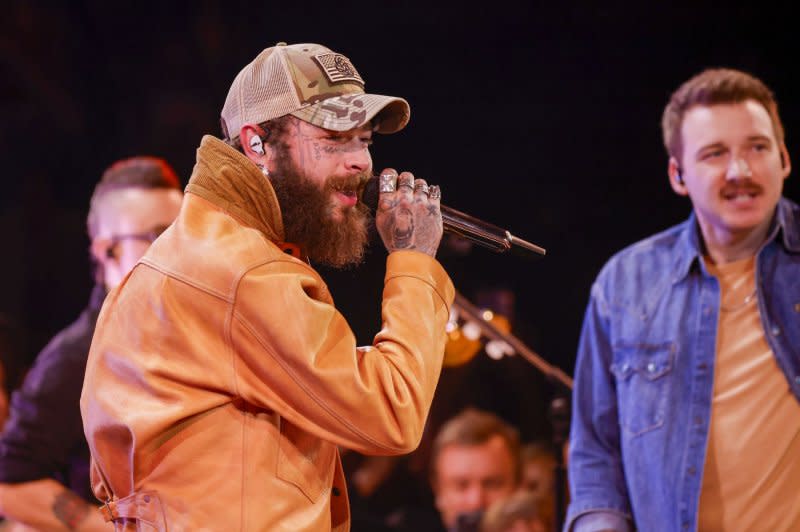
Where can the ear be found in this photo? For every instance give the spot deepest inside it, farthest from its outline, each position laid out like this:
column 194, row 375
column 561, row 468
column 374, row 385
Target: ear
column 433, row 481
column 438, row 500
column 786, row 163
column 675, row 179
column 101, row 250
column 254, row 145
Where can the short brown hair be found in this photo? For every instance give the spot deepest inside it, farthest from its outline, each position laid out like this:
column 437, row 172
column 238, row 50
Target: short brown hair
column 710, row 87
column 538, row 450
column 519, row 506
column 475, row 427
column 136, row 172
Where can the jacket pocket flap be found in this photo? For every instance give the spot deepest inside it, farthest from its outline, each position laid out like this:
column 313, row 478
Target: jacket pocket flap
column 649, row 361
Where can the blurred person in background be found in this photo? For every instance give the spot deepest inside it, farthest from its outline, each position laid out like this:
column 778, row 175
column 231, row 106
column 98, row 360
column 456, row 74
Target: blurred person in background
column 474, row 462
column 538, row 467
column 44, row 458
column 521, row 511
column 538, row 462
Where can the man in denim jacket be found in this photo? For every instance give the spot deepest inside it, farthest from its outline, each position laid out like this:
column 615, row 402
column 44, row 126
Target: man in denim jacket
column 687, row 384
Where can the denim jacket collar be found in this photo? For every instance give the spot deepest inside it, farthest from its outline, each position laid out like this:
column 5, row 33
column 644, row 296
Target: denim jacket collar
column 689, row 246
column 787, row 212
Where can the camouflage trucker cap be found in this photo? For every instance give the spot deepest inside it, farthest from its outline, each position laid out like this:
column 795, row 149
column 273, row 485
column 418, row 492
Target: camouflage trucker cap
column 312, row 83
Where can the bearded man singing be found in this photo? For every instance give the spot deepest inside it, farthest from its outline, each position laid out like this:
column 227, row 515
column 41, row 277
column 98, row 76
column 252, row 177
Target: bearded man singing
column 221, row 377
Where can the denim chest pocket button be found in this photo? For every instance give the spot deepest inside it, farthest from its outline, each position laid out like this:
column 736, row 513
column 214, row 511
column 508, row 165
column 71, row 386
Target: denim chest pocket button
column 643, row 385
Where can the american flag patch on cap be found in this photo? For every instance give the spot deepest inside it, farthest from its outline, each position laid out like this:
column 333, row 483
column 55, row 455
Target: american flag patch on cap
column 338, row 68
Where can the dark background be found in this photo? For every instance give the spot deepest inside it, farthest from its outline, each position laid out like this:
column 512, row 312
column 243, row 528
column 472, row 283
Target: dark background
column 541, row 118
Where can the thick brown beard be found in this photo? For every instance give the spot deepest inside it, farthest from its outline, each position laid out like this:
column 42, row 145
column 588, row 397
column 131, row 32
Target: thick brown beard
column 307, row 212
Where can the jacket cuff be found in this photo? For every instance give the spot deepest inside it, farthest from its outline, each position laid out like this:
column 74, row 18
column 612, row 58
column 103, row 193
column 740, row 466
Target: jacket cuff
column 423, row 267
column 595, row 521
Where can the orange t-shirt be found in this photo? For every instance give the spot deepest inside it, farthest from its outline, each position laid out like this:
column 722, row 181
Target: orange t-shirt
column 751, row 479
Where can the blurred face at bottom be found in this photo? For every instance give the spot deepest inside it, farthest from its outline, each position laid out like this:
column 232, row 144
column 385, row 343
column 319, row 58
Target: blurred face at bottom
column 537, row 476
column 130, row 219
column 471, row 477
column 521, row 525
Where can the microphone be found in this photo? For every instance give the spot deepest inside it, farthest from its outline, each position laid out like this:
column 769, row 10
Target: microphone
column 482, row 233
column 468, row 522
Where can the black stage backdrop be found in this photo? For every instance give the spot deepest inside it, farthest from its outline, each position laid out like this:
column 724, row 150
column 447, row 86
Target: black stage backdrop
column 542, row 118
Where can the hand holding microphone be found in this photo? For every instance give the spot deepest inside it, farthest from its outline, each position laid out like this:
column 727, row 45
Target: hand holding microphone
column 408, row 214
column 482, row 233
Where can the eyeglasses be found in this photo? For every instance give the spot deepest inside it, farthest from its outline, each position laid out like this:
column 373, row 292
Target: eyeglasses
column 146, row 236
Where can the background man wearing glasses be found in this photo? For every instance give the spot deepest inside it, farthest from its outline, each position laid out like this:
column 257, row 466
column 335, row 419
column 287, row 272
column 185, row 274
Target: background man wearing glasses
column 44, row 458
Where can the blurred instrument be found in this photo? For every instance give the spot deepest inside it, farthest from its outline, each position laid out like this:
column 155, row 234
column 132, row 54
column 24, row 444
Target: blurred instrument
column 463, row 343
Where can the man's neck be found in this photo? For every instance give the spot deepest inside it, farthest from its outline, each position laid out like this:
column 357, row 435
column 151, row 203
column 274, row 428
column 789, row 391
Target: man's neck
column 725, row 247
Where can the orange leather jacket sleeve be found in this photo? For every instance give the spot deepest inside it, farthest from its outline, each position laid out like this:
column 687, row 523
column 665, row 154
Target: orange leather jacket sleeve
column 297, row 355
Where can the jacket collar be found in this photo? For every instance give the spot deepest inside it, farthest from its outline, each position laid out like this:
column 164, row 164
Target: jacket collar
column 229, row 180
column 690, row 246
column 788, row 221
column 97, row 297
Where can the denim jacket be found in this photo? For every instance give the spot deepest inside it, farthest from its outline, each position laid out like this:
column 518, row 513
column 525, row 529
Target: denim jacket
column 645, row 370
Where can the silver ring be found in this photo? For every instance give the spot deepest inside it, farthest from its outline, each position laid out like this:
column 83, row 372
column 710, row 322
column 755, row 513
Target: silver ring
column 419, row 186
column 405, row 182
column 435, row 192
column 387, row 182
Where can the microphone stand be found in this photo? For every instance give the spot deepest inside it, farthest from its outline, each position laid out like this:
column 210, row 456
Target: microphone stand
column 559, row 410
column 491, row 331
column 559, row 419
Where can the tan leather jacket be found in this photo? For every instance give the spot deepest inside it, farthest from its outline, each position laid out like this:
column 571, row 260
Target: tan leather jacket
column 221, row 378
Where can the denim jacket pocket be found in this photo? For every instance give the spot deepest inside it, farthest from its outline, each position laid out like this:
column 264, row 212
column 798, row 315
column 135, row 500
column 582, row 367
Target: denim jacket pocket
column 642, row 374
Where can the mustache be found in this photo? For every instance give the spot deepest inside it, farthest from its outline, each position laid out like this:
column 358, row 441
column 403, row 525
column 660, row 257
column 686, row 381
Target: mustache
column 355, row 183
column 739, row 186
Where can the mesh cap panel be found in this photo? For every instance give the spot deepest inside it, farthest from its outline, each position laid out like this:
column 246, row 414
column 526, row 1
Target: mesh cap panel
column 314, row 84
